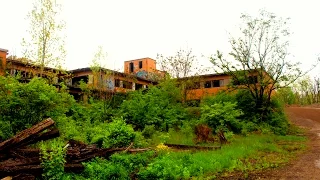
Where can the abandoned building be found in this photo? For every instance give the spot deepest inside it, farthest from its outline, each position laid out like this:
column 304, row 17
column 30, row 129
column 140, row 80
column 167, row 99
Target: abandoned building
column 137, row 74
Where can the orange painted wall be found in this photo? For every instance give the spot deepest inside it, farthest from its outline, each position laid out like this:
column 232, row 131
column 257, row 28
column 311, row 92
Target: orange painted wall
column 148, row 65
column 3, row 59
column 202, row 91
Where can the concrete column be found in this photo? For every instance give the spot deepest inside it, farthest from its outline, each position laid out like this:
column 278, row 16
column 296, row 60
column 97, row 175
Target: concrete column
column 133, row 86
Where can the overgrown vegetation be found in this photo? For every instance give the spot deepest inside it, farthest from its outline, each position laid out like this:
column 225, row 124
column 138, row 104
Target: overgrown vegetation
column 148, row 118
column 250, row 117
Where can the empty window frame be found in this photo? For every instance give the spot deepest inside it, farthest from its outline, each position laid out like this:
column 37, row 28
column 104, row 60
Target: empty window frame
column 216, row 83
column 131, row 67
column 138, row 86
column 127, row 85
column 140, row 64
column 207, row 84
column 117, row 82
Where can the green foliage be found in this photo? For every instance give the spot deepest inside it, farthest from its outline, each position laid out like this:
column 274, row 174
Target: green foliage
column 148, row 131
column 53, row 160
column 222, row 116
column 23, row 105
column 182, row 167
column 120, row 134
column 103, row 169
column 159, row 106
column 243, row 154
column 119, row 166
column 286, row 95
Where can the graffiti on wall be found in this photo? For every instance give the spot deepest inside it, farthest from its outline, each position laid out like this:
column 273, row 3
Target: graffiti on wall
column 148, row 75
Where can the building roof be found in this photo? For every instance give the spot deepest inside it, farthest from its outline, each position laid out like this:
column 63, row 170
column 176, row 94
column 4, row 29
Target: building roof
column 139, row 59
column 3, row 50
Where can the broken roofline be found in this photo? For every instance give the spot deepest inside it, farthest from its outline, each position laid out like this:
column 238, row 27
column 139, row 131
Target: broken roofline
column 223, row 74
column 33, row 65
column 113, row 72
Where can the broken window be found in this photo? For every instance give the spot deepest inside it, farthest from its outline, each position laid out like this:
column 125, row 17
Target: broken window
column 117, row 82
column 140, row 64
column 131, row 67
column 207, row 84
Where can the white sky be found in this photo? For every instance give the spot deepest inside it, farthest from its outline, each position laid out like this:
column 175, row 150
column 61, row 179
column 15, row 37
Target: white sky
column 130, row 29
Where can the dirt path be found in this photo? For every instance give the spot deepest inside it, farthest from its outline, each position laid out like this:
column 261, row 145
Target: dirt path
column 307, row 166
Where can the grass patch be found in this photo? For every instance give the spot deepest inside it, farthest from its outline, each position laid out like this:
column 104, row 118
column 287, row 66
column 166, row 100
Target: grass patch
column 245, row 154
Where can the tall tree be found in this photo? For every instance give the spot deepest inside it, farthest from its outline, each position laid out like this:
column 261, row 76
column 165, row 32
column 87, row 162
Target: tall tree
column 182, row 64
column 260, row 60
column 185, row 67
column 46, row 42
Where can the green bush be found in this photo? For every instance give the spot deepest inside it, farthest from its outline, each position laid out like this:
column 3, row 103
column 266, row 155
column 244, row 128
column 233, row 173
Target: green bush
column 148, row 131
column 119, row 134
column 159, row 106
column 23, row 105
column 103, row 169
column 53, row 161
column 164, row 168
column 222, row 116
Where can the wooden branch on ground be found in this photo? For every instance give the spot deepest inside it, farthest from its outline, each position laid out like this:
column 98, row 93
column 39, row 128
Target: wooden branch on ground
column 181, row 146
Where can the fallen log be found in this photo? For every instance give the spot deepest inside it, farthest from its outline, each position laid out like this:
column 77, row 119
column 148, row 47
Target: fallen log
column 181, row 146
column 26, row 135
column 20, row 162
column 52, row 133
column 106, row 153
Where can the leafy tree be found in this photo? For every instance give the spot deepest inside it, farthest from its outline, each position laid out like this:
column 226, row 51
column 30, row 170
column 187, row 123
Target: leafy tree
column 260, row 59
column 222, row 116
column 158, row 106
column 183, row 66
column 286, row 95
column 307, row 90
column 46, row 43
column 23, row 105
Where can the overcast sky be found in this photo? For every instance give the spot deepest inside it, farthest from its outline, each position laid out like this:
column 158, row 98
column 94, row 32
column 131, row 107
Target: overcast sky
column 130, row 29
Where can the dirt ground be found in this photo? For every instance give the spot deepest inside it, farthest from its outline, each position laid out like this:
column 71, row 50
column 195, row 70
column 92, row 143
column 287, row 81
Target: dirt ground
column 307, row 165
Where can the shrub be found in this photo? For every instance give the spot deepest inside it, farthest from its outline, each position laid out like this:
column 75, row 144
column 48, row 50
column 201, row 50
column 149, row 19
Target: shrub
column 103, row 169
column 119, row 134
column 53, row 161
column 164, row 168
column 222, row 116
column 148, row 131
column 159, row 106
column 23, row 105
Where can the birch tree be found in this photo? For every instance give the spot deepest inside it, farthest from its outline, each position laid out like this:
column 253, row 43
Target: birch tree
column 45, row 45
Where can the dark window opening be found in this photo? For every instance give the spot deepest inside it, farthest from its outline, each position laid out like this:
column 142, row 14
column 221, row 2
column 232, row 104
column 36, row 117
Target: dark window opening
column 207, row 84
column 131, row 67
column 76, row 80
column 127, row 85
column 140, row 64
column 138, row 86
column 117, row 82
column 216, row 83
